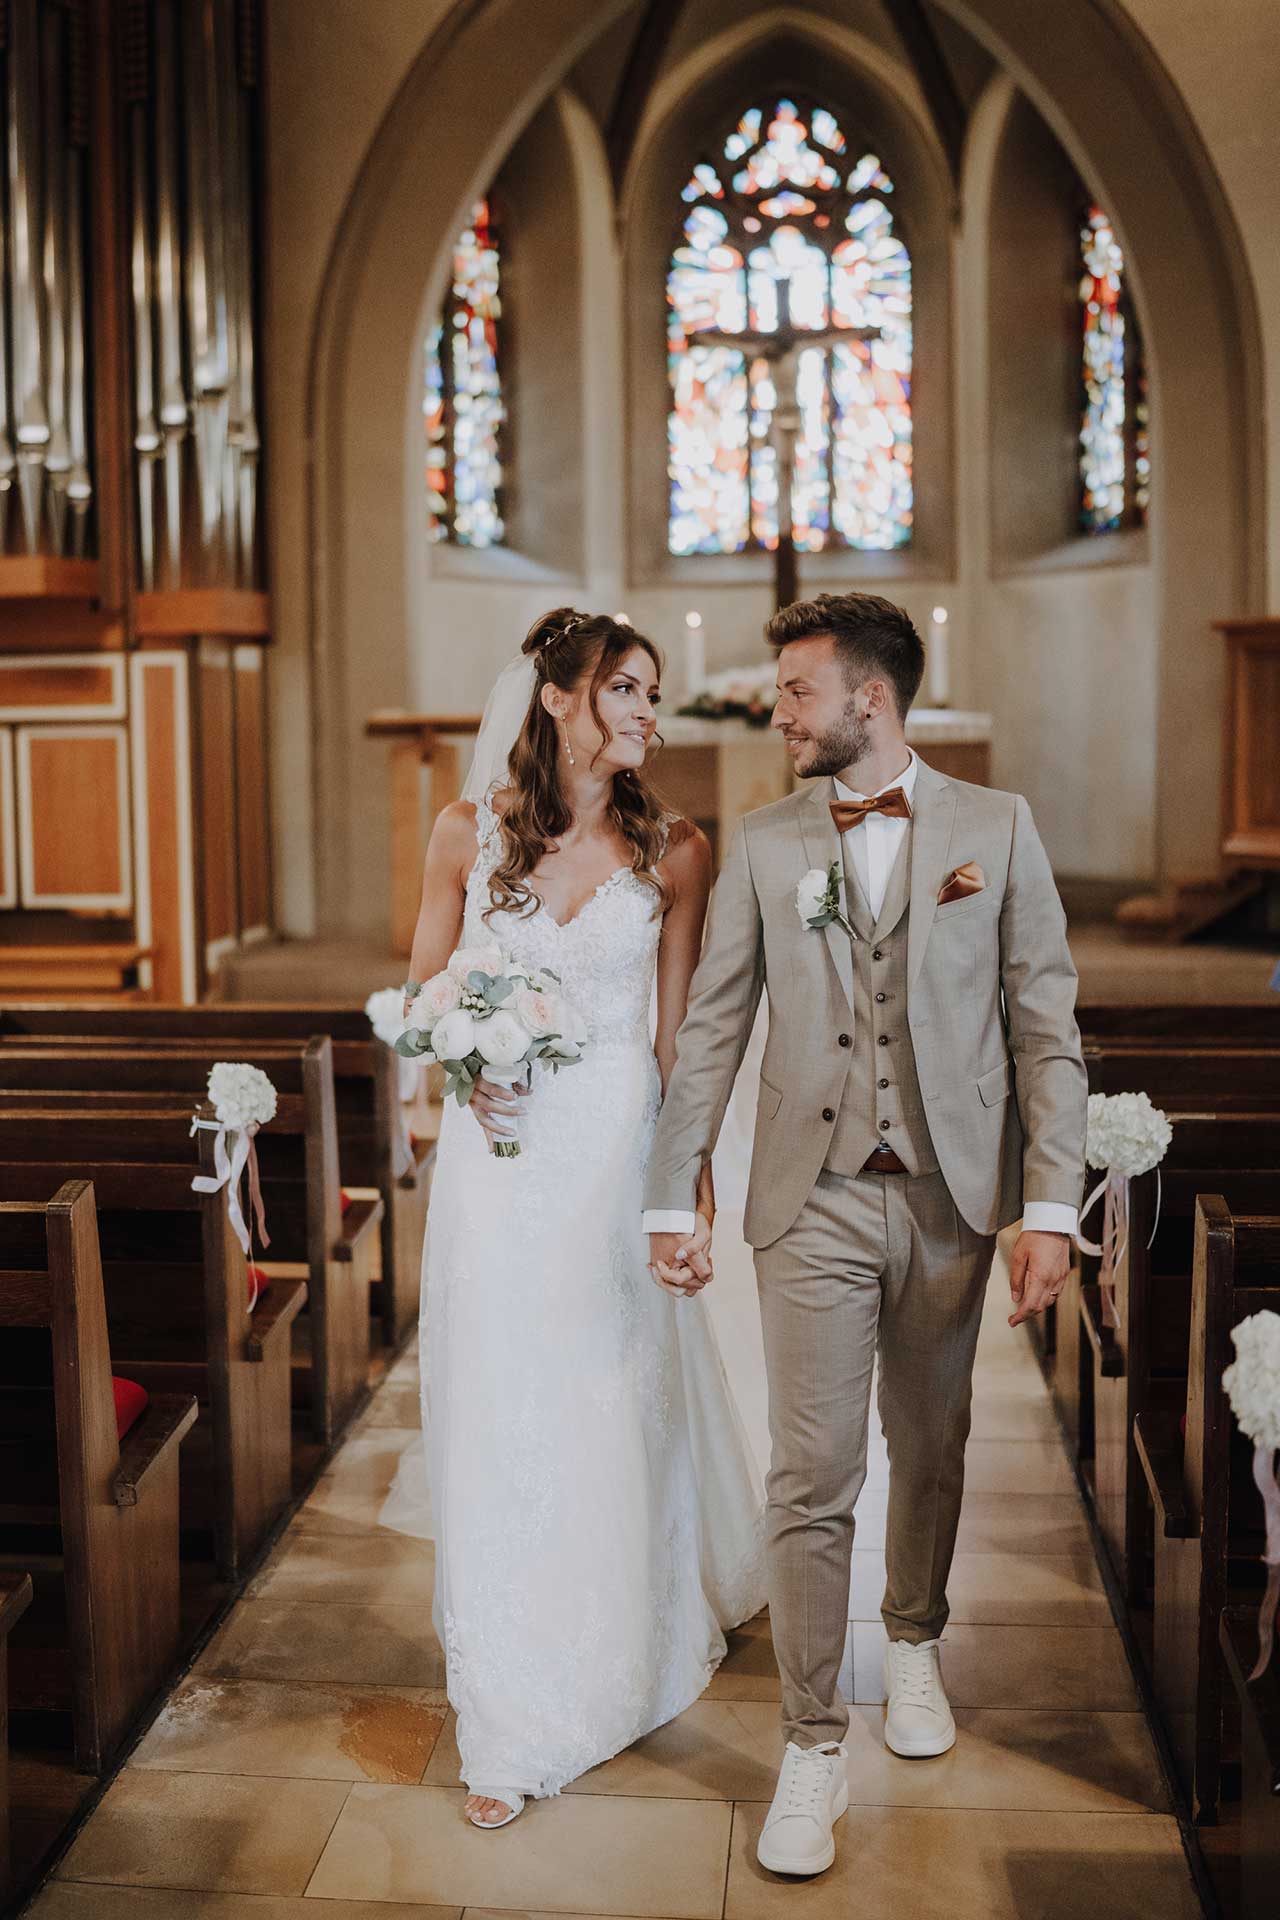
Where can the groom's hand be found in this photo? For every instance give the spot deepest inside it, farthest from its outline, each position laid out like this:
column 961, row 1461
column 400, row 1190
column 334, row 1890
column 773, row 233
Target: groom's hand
column 680, row 1262
column 1038, row 1272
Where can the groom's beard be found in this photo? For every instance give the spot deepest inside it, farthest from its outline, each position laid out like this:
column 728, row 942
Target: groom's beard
column 840, row 746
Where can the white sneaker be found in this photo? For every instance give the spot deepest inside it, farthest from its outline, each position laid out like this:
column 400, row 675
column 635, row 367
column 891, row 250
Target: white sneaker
column 813, row 1792
column 917, row 1720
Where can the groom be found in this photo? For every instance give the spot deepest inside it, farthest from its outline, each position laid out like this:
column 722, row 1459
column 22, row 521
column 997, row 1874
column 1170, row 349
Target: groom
column 922, row 1086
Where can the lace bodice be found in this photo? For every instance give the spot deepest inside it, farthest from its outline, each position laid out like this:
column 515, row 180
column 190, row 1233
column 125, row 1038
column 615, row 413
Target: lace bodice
column 605, row 955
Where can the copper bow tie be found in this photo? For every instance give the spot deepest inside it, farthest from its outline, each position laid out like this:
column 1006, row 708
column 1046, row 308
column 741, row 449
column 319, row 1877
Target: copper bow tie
column 848, row 813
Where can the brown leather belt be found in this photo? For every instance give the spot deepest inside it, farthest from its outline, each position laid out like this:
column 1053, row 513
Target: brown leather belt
column 883, row 1160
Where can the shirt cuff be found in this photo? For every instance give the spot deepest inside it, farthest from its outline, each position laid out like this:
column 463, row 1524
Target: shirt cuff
column 1049, row 1216
column 668, row 1220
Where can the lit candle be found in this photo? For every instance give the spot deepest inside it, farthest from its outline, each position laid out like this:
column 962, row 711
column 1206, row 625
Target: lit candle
column 695, row 659
column 939, row 660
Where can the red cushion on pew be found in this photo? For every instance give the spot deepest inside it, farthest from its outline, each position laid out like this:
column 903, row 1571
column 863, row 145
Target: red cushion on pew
column 346, row 1201
column 258, row 1283
column 130, row 1399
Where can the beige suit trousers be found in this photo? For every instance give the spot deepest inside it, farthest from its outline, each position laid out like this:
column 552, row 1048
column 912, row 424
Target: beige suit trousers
column 876, row 1266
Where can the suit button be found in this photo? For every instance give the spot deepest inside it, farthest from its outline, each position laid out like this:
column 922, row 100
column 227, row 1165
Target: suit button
column 883, row 1083
column 828, row 1113
column 883, row 1041
column 877, row 955
column 880, row 997
column 884, row 1126
column 846, row 1040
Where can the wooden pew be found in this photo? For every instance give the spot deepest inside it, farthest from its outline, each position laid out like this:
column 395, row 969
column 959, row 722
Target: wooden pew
column 298, row 1157
column 1142, row 1361
column 1247, row 1075
column 374, row 1143
column 177, row 1294
column 1259, row 1706
column 1208, row 1530
column 1134, row 1026
column 94, row 1518
column 1188, row 1025
column 1235, row 1076
column 15, row 1598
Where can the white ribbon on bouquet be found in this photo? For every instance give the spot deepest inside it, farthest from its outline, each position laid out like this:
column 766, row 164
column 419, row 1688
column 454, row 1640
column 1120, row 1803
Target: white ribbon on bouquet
column 1115, row 1234
column 1264, row 1475
column 229, row 1167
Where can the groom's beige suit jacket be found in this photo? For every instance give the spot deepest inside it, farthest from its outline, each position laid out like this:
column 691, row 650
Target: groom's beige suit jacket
column 990, row 1011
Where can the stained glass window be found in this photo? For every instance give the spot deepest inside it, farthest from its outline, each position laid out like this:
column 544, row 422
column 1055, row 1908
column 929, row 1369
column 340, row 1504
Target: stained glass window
column 463, row 405
column 1115, row 445
column 785, row 234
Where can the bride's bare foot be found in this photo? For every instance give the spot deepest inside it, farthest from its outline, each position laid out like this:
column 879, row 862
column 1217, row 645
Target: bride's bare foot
column 483, row 1811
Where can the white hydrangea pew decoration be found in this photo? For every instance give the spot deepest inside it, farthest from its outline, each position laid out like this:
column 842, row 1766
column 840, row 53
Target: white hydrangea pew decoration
column 385, row 1013
column 1252, row 1385
column 243, row 1099
column 1126, row 1136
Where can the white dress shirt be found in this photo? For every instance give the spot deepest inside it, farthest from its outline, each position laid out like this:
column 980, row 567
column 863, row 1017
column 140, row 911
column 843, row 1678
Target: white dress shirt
column 874, row 844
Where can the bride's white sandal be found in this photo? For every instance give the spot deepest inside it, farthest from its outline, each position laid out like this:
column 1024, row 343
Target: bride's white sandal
column 509, row 1798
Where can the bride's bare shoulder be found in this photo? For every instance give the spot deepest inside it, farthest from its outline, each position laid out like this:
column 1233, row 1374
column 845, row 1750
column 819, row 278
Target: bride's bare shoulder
column 454, row 831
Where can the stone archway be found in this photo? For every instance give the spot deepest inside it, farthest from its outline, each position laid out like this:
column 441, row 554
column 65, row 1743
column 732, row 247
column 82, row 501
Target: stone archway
column 1114, row 109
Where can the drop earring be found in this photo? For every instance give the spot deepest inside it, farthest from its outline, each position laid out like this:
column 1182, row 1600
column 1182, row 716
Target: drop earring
column 568, row 749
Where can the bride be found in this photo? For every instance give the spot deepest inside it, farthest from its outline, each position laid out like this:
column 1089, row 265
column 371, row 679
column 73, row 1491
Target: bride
column 596, row 1511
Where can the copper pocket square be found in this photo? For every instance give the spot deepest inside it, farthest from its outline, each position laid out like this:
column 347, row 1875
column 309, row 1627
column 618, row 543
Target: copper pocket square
column 959, row 884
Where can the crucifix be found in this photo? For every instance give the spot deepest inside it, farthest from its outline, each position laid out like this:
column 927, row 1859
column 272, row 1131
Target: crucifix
column 781, row 349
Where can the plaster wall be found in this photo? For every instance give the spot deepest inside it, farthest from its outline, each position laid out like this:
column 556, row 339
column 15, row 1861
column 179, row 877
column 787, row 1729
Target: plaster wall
column 362, row 617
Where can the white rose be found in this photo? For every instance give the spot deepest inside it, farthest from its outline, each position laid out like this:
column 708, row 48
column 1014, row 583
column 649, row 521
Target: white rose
column 476, row 960
column 540, row 1011
column 436, row 997
column 454, row 1035
column 501, row 1040
column 810, row 893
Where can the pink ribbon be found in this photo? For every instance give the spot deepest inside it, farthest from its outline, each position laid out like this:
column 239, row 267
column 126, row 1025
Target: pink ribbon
column 1264, row 1475
column 1115, row 1235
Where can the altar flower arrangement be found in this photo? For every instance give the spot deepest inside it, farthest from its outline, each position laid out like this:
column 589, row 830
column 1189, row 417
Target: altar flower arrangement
column 487, row 1014
column 739, row 693
column 1124, row 1137
column 1252, row 1384
column 818, row 898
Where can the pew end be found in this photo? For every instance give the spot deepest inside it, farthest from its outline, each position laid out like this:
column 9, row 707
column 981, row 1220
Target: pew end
column 149, row 1449
column 1259, row 1704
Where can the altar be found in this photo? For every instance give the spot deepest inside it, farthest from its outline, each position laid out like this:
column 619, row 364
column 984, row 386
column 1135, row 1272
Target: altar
column 712, row 771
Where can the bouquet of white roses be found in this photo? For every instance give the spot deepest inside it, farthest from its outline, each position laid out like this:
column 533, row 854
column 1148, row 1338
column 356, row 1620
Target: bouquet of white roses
column 488, row 1014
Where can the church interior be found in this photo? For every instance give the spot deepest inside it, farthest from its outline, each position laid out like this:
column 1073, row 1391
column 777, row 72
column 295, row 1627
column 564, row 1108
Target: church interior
column 339, row 340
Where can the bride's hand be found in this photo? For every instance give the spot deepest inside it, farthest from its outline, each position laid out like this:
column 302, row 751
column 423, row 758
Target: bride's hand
column 688, row 1274
column 496, row 1108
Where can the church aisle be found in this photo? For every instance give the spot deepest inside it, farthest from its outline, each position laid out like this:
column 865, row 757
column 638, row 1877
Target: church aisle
column 307, row 1766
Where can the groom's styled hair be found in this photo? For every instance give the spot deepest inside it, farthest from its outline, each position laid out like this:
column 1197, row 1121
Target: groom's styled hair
column 871, row 635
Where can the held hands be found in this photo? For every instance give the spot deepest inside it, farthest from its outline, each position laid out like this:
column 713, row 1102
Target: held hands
column 1038, row 1272
column 496, row 1108
column 681, row 1262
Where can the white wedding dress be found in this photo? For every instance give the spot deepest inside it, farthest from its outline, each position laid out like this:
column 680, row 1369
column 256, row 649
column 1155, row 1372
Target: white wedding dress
column 597, row 1512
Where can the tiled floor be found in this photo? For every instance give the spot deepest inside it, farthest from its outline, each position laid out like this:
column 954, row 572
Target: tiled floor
column 307, row 1770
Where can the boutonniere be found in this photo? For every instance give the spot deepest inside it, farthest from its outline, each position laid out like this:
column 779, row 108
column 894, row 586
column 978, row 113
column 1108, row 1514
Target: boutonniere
column 818, row 899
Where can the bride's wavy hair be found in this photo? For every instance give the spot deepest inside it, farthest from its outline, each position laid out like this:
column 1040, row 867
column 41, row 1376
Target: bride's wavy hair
column 569, row 647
